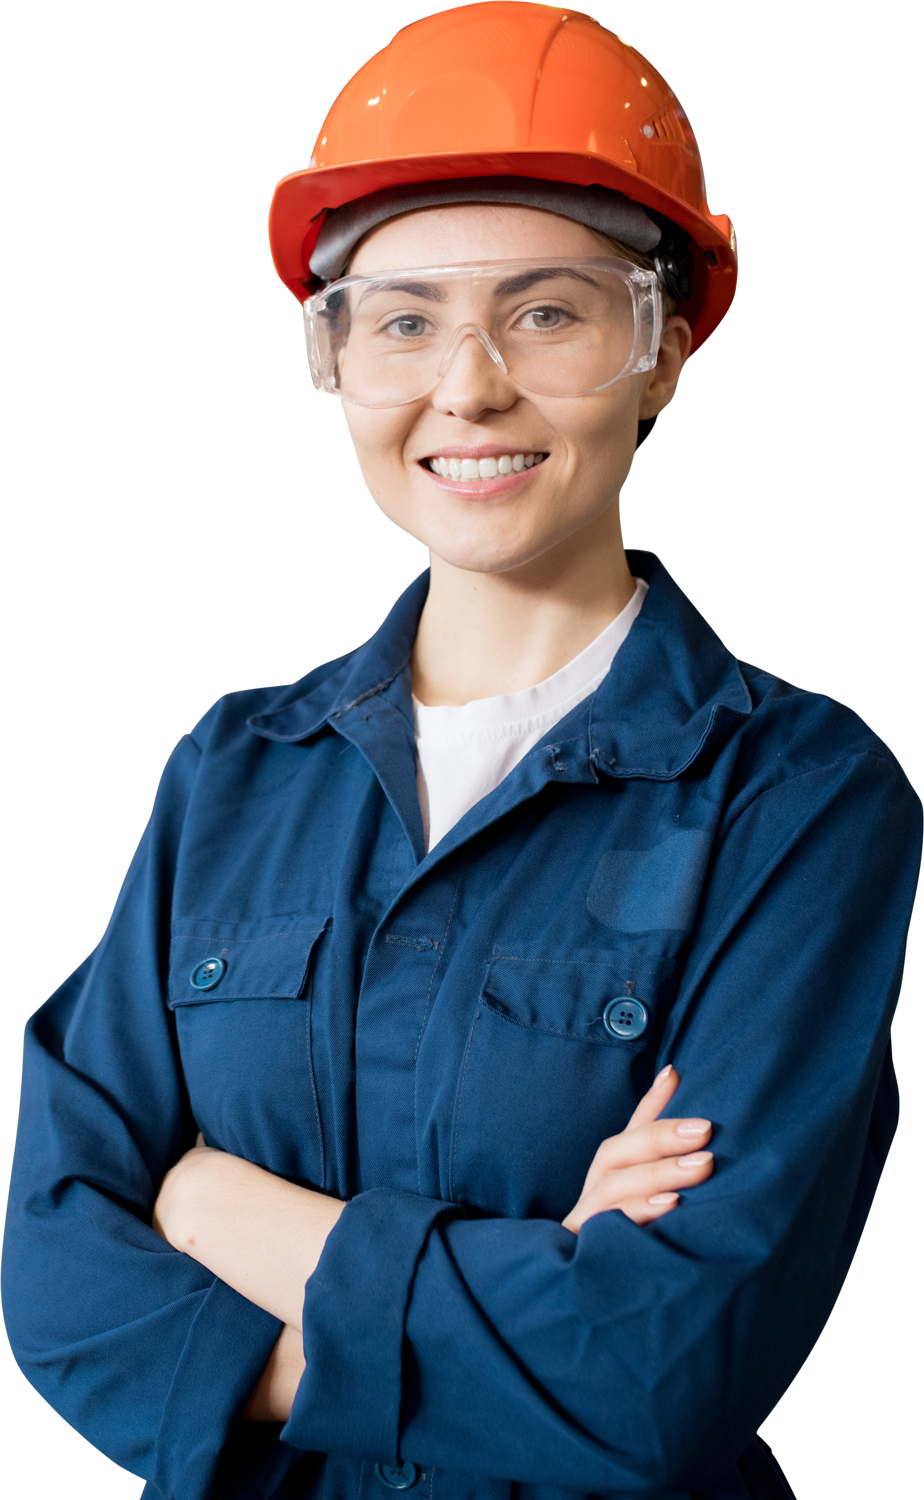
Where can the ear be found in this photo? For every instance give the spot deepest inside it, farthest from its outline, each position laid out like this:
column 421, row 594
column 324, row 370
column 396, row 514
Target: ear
column 661, row 382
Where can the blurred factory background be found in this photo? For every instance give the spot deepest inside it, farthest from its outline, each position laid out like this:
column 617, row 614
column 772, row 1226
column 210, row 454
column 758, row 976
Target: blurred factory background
column 330, row 567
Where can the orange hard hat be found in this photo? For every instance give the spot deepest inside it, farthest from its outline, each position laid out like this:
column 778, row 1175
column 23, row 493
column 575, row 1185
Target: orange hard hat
column 509, row 89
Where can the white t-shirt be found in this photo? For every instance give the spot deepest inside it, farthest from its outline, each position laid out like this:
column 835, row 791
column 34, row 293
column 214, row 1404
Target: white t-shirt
column 464, row 751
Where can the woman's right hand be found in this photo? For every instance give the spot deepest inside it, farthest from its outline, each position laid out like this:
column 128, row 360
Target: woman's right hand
column 641, row 1169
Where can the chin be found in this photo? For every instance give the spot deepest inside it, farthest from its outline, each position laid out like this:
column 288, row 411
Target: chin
column 488, row 554
column 479, row 562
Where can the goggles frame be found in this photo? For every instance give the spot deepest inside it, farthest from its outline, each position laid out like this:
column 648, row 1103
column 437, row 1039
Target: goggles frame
column 645, row 290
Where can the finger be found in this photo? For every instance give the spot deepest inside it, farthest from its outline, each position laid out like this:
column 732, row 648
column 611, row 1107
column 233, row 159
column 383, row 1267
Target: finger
column 649, row 1143
column 654, row 1184
column 613, row 1189
column 652, row 1103
column 675, row 1174
column 646, row 1210
column 689, row 1170
column 640, row 1210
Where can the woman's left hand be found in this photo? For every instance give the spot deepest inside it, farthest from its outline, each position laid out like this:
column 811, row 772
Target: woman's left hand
column 641, row 1170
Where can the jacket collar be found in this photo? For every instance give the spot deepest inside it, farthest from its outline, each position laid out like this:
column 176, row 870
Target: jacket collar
column 674, row 691
column 326, row 696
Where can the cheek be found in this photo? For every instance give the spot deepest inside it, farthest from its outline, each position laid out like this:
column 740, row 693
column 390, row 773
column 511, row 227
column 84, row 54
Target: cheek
column 380, row 441
column 600, row 433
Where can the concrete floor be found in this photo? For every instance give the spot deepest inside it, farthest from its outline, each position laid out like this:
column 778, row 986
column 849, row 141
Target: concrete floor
column 816, row 1431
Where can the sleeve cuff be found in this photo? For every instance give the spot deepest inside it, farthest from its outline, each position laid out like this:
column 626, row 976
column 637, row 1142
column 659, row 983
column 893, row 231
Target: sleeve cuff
column 229, row 1342
column 349, row 1399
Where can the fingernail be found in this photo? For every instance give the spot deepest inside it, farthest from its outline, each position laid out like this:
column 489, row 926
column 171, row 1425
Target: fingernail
column 664, row 1072
column 695, row 1159
column 658, row 1199
column 692, row 1127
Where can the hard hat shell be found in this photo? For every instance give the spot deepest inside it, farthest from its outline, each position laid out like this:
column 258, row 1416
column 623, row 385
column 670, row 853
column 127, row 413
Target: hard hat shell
column 506, row 88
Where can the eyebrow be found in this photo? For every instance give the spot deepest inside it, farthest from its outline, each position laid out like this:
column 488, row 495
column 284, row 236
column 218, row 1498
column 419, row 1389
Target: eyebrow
column 526, row 279
column 430, row 291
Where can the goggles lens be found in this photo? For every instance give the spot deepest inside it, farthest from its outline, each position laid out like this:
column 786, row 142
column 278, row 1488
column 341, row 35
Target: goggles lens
column 554, row 327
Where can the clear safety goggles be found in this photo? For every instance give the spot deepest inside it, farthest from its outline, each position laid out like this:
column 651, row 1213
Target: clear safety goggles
column 555, row 327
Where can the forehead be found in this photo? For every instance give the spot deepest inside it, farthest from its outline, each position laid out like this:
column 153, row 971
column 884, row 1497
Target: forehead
column 471, row 231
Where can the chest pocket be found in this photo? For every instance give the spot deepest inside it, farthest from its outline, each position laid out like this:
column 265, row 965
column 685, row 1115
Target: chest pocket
column 559, row 1054
column 241, row 993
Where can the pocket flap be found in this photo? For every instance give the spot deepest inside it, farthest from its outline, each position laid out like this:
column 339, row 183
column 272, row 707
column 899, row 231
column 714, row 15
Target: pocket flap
column 569, row 997
column 265, row 959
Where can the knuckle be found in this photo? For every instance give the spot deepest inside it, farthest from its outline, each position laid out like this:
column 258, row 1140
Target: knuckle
column 605, row 1149
column 612, row 1153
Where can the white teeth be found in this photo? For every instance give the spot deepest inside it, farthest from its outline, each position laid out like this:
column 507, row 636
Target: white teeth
column 484, row 468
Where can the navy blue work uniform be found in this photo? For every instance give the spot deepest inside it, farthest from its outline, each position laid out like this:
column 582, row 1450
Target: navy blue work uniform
column 701, row 864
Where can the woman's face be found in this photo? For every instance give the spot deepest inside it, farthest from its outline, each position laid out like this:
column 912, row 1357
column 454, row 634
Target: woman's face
column 585, row 443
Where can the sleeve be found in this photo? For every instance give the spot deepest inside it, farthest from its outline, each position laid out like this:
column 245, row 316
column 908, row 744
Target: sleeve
column 644, row 1359
column 137, row 1346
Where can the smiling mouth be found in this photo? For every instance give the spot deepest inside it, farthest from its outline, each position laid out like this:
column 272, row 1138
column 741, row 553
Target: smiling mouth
column 465, row 470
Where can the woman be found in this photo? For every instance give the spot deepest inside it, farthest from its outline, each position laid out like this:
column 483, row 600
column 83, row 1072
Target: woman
column 422, row 948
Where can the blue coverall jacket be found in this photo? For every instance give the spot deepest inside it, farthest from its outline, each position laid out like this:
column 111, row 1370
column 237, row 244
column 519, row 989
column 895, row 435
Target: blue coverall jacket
column 423, row 1035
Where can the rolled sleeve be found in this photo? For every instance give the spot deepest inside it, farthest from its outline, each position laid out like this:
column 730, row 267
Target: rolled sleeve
column 354, row 1317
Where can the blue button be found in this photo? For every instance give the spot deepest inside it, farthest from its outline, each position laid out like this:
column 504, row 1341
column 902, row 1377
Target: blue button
column 206, row 975
column 625, row 1018
column 404, row 1478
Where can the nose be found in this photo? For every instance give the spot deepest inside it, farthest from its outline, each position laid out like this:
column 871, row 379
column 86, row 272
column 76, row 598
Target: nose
column 472, row 376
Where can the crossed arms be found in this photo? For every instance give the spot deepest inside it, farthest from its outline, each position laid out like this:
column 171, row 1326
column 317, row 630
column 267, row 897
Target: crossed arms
column 264, row 1236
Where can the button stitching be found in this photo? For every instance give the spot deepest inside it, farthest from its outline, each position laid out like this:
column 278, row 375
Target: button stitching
column 208, row 973
column 626, row 1018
